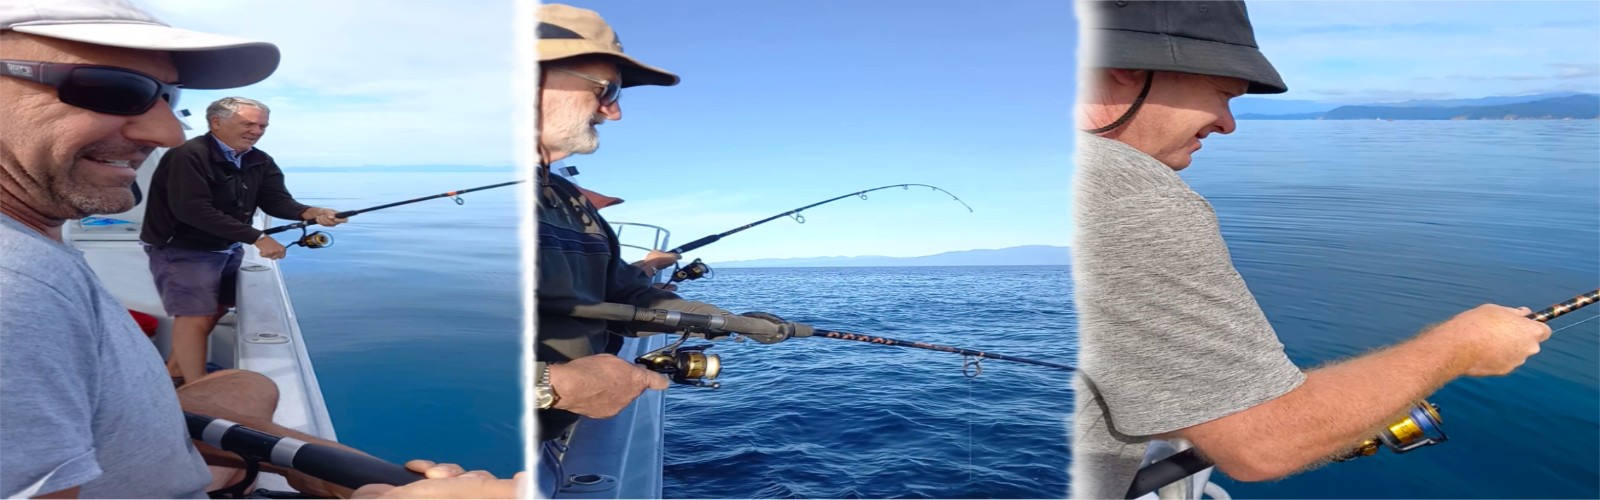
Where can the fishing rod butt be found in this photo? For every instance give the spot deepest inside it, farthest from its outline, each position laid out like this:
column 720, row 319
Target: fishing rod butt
column 349, row 469
column 335, row 465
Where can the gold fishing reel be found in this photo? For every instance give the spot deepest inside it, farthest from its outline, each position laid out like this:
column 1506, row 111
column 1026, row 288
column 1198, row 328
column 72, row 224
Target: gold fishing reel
column 1421, row 427
column 314, row 240
column 684, row 365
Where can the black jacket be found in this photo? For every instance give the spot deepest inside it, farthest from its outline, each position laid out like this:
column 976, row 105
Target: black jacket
column 199, row 201
column 580, row 262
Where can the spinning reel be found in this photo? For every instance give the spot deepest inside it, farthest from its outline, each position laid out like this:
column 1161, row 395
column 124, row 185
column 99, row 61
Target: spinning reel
column 684, row 365
column 695, row 270
column 314, row 240
column 1405, row 435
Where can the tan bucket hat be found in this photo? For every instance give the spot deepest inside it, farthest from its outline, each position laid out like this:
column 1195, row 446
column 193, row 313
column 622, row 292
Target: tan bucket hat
column 566, row 31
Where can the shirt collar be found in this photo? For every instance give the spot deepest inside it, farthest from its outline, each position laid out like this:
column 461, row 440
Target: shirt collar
column 233, row 156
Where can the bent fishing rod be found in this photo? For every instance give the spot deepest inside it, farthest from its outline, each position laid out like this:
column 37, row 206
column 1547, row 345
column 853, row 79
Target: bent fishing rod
column 321, row 240
column 342, row 467
column 1420, row 427
column 692, row 366
column 697, row 269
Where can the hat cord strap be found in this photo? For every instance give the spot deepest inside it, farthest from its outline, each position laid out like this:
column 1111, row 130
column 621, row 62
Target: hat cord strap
column 1148, row 79
column 543, row 170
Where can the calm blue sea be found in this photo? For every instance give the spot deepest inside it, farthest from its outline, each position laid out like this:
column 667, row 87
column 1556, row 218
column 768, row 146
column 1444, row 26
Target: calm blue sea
column 414, row 316
column 1353, row 235
column 825, row 418
column 1357, row 234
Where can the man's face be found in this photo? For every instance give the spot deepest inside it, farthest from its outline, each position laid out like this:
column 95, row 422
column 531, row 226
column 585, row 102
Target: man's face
column 58, row 161
column 571, row 108
column 1180, row 111
column 241, row 129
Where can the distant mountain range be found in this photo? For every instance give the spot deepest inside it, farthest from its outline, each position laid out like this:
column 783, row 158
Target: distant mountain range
column 1549, row 106
column 1028, row 255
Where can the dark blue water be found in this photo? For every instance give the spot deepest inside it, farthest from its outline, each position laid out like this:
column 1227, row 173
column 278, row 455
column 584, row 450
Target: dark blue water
column 414, row 316
column 1355, row 235
column 825, row 418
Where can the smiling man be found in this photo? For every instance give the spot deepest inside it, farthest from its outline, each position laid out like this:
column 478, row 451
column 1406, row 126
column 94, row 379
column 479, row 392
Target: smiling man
column 202, row 198
column 87, row 92
column 1172, row 343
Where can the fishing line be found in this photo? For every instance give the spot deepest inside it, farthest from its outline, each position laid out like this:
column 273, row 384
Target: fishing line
column 1591, row 318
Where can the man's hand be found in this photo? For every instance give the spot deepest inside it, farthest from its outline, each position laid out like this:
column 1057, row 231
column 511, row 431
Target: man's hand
column 1498, row 338
column 601, row 385
column 323, row 216
column 785, row 330
column 270, row 248
column 655, row 261
column 448, row 481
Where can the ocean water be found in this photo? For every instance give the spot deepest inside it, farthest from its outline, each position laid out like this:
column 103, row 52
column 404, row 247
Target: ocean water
column 413, row 317
column 1352, row 235
column 827, row 418
column 1355, row 235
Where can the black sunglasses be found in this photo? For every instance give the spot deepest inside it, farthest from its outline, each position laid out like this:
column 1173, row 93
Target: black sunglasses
column 103, row 89
column 608, row 95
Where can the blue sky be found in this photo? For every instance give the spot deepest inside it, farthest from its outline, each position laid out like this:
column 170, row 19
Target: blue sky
column 371, row 82
column 1390, row 51
column 786, row 103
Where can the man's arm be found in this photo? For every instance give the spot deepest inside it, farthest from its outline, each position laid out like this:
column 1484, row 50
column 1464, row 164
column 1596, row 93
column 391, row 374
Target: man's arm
column 1179, row 348
column 1340, row 405
column 274, row 198
column 630, row 285
column 189, row 197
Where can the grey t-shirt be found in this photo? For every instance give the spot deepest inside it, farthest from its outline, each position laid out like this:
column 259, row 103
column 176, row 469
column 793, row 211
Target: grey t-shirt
column 1169, row 335
column 86, row 398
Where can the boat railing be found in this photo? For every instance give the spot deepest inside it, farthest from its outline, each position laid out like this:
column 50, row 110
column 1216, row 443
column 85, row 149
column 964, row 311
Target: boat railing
column 658, row 241
column 1192, row 487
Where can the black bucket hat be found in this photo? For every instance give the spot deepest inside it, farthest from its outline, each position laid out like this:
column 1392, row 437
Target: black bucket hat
column 1206, row 37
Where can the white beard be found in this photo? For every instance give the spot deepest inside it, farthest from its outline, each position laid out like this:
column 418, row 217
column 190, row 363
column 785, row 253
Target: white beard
column 568, row 129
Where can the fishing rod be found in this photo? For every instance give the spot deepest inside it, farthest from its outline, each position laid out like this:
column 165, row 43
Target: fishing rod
column 1420, row 427
column 320, row 239
column 692, row 366
column 342, row 467
column 697, row 269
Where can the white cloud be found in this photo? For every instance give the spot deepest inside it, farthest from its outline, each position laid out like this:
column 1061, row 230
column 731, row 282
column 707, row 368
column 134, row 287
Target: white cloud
column 373, row 82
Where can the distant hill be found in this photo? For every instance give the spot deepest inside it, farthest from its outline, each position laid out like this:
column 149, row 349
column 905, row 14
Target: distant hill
column 1029, row 255
column 1532, row 107
column 1262, row 106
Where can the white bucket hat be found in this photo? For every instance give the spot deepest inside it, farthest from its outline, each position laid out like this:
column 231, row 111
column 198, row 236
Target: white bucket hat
column 204, row 60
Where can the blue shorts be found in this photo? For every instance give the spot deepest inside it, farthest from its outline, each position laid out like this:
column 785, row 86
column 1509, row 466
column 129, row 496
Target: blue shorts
column 195, row 282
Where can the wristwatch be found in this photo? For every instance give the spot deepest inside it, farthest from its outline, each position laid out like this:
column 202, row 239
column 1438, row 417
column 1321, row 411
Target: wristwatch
column 543, row 391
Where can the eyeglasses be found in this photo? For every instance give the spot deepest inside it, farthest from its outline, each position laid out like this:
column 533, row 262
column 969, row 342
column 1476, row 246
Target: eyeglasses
column 102, row 89
column 609, row 95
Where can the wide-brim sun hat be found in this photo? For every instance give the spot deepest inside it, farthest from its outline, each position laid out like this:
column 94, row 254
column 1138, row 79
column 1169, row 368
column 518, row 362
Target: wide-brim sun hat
column 565, row 32
column 1207, row 37
column 203, row 60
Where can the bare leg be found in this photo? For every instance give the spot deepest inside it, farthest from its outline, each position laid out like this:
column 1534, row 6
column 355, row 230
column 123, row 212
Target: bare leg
column 191, row 335
column 250, row 398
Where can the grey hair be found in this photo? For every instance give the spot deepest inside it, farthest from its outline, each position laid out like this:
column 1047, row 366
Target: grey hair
column 225, row 107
